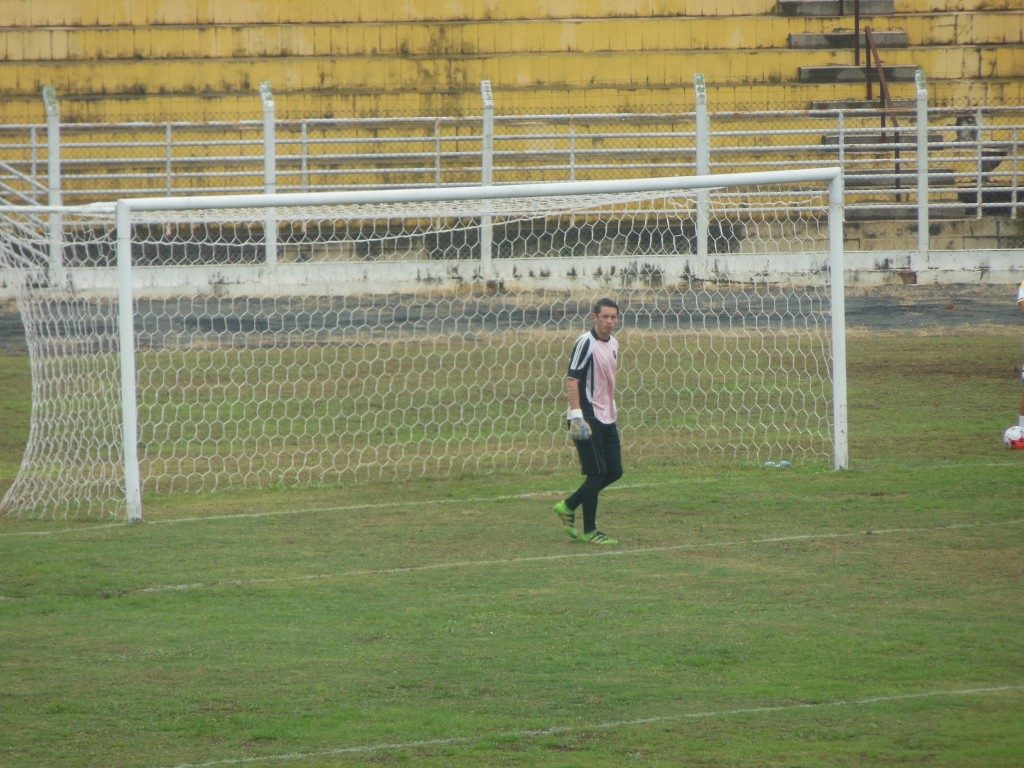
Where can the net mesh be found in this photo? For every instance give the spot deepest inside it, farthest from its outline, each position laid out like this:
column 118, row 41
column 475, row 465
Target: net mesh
column 376, row 341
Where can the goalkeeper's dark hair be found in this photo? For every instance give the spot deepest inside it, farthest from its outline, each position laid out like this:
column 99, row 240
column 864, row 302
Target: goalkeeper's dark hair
column 605, row 302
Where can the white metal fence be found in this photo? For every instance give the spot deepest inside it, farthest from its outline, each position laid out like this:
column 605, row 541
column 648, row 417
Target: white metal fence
column 913, row 163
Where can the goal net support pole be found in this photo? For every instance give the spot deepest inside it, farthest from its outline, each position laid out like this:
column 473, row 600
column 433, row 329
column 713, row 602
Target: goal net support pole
column 126, row 358
column 841, row 451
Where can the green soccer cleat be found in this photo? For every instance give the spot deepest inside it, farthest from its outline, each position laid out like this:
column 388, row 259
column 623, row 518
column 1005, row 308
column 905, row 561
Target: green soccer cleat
column 596, row 537
column 568, row 519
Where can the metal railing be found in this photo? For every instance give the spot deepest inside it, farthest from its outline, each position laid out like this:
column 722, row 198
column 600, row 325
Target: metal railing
column 856, row 28
column 885, row 100
column 969, row 159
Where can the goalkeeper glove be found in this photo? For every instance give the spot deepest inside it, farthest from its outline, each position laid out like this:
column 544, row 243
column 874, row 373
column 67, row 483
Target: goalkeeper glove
column 578, row 427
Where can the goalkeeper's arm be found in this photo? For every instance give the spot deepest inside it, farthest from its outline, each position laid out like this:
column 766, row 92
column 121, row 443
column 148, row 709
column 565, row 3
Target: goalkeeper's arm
column 578, row 426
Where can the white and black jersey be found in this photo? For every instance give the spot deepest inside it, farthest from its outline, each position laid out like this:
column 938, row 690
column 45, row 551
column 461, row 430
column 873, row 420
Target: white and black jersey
column 594, row 363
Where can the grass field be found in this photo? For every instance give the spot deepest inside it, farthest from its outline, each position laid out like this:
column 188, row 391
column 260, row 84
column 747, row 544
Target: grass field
column 750, row 617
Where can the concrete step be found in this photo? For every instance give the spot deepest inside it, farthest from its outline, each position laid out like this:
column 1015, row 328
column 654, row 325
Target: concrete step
column 893, row 180
column 903, row 73
column 832, row 7
column 854, row 212
column 538, row 97
column 272, row 40
column 844, row 39
column 906, row 138
column 847, row 105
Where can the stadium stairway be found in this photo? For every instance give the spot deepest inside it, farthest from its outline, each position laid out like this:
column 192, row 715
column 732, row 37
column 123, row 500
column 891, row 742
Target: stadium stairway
column 204, row 60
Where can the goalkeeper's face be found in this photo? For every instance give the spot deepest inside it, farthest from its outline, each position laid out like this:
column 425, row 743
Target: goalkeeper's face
column 605, row 322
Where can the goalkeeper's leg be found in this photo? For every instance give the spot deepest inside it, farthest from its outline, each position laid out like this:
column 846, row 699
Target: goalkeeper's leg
column 612, row 454
column 586, row 495
column 601, row 462
column 592, row 465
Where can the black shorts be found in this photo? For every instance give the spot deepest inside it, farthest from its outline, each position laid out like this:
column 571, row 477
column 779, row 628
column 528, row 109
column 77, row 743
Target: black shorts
column 602, row 453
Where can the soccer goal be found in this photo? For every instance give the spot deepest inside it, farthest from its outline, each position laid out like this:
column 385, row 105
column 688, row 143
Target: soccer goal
column 197, row 344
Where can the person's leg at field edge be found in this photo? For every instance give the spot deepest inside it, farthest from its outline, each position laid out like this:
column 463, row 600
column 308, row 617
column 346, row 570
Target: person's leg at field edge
column 601, row 463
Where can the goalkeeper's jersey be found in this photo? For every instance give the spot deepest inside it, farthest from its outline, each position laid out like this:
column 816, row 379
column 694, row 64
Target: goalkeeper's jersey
column 594, row 363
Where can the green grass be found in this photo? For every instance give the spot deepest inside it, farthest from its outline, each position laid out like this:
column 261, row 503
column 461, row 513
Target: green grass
column 750, row 617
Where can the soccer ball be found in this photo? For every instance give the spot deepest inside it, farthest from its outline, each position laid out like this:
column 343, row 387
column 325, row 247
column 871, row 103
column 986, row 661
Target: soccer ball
column 1014, row 438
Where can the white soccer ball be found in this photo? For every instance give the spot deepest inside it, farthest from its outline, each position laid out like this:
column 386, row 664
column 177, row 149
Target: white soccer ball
column 1014, row 438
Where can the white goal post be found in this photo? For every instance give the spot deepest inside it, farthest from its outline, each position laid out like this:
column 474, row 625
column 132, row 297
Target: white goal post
column 195, row 344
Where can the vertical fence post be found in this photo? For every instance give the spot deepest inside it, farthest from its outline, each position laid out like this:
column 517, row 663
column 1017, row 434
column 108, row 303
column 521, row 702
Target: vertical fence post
column 841, row 140
column 126, row 349
column 269, row 171
column 304, row 156
column 572, row 150
column 33, row 141
column 168, row 155
column 979, row 155
column 922, row 169
column 437, row 153
column 486, row 172
column 1014, row 153
column 53, row 183
column 703, row 161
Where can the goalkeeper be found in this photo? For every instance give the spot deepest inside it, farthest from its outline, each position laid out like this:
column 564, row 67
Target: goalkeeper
column 590, row 386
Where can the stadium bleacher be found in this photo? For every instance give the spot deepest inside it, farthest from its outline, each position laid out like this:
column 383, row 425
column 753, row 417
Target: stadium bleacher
column 200, row 60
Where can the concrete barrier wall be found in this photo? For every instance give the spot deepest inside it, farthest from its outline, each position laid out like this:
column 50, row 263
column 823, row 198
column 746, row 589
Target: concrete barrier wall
column 864, row 270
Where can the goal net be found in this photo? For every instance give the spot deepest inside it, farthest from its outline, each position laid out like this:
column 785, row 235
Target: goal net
column 184, row 345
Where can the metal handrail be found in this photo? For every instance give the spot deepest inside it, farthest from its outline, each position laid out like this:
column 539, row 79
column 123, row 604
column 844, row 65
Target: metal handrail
column 856, row 28
column 885, row 100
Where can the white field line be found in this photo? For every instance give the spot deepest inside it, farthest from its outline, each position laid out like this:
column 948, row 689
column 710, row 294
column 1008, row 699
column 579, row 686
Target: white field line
column 600, row 552
column 365, row 749
column 455, row 564
column 405, row 504
column 306, row 511
column 348, row 508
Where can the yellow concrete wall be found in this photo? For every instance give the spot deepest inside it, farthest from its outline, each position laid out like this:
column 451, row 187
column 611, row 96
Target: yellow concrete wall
column 367, row 73
column 205, row 12
column 204, row 59
column 473, row 38
column 939, row 6
column 141, row 12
